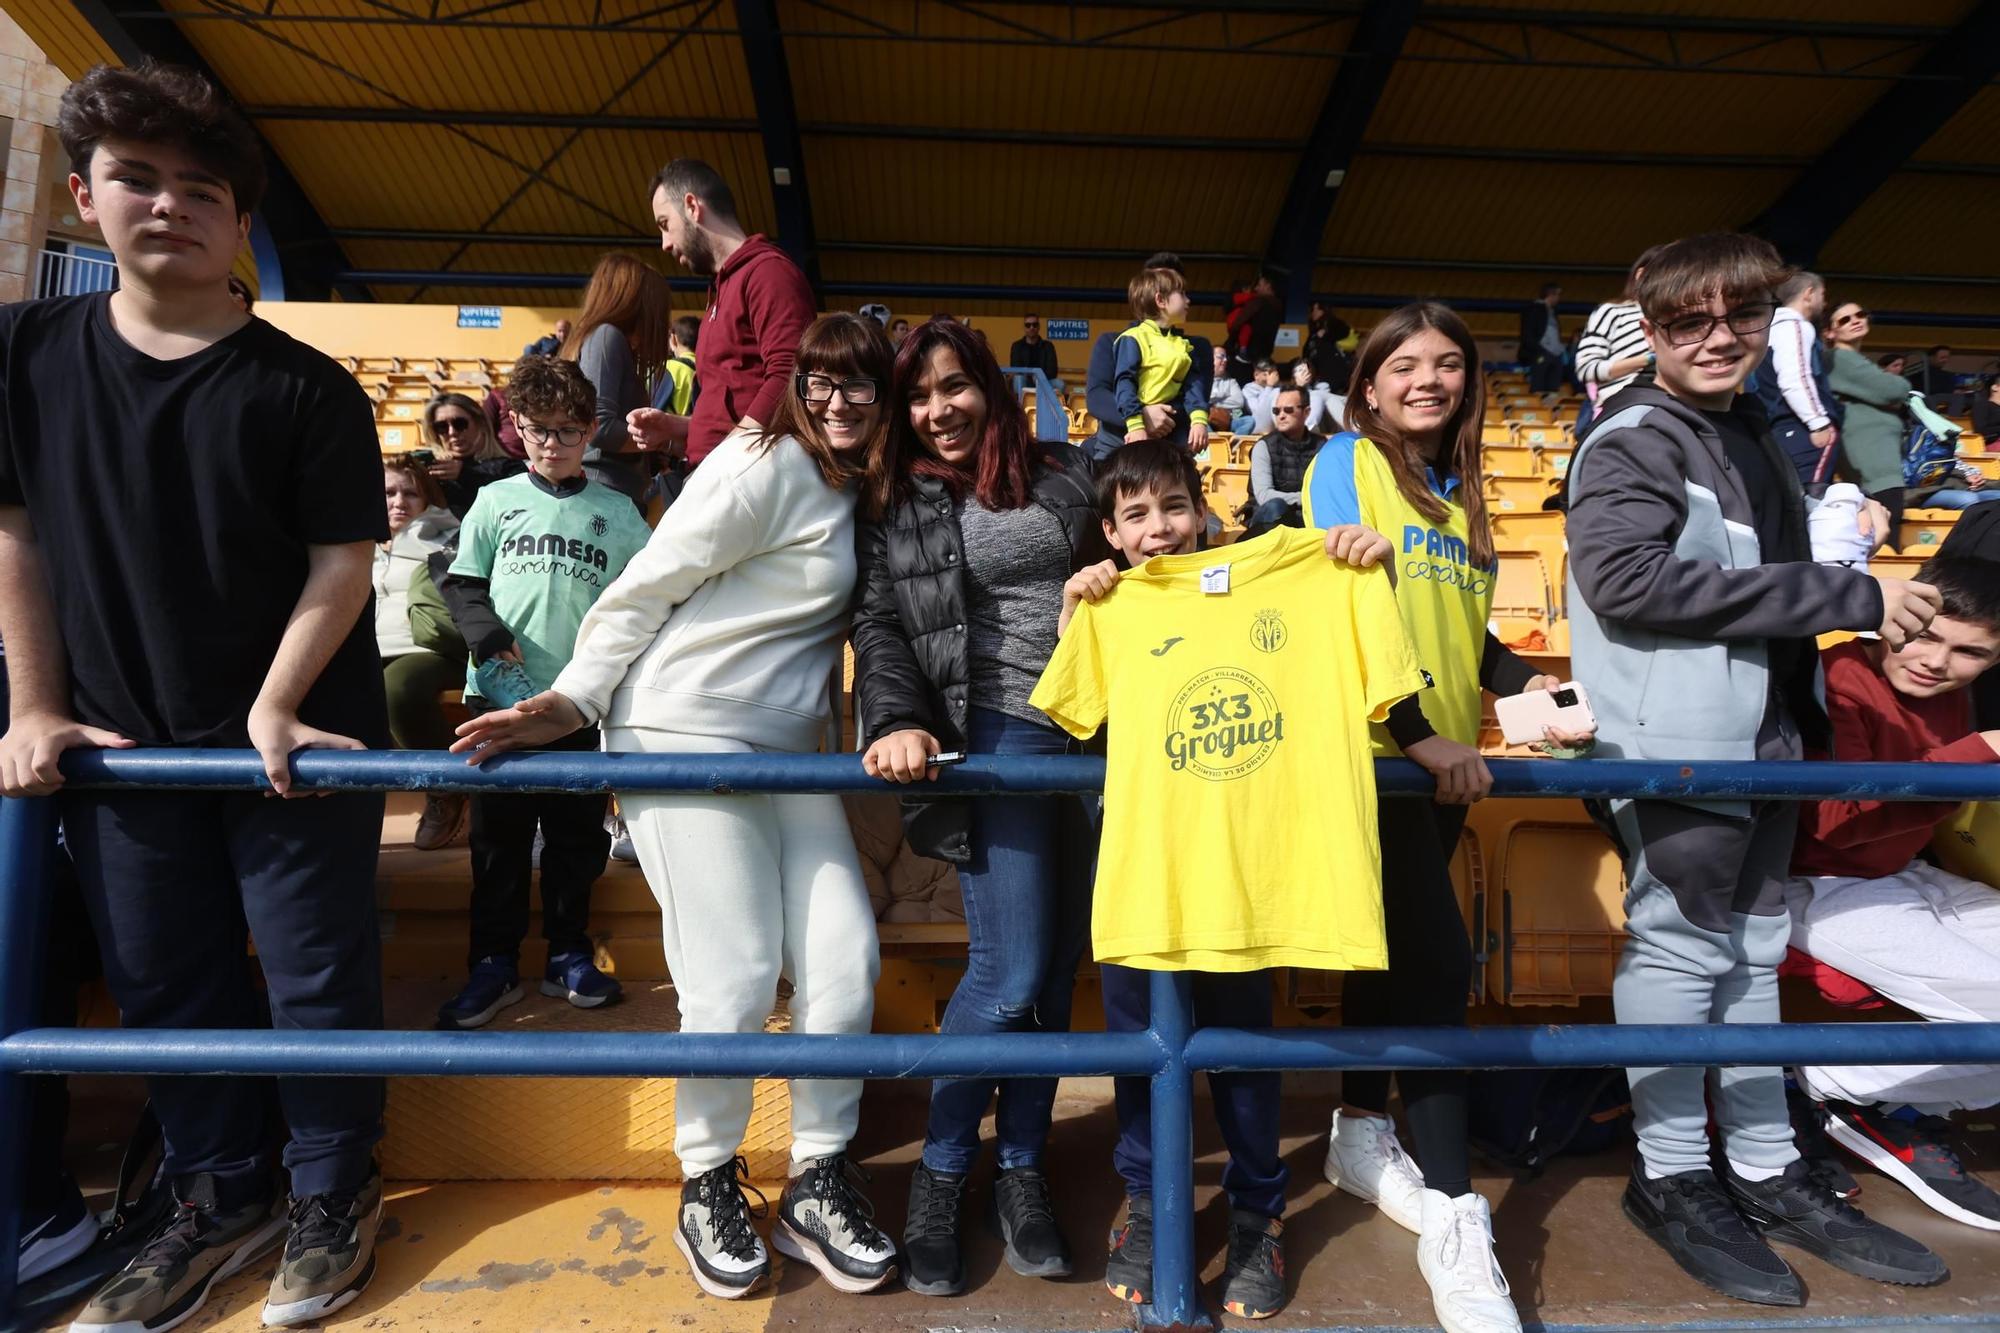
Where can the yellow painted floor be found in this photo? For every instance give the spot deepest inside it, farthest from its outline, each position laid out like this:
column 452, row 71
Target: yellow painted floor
column 533, row 1256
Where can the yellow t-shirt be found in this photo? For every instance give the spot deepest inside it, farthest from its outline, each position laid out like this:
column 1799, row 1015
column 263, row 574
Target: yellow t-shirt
column 1239, row 805
column 1445, row 599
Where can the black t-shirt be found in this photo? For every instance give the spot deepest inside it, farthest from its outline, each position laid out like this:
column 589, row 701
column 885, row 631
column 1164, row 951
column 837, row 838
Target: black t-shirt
column 173, row 502
column 1746, row 453
column 1041, row 354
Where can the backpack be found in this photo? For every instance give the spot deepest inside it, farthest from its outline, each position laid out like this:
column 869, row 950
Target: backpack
column 1930, row 448
column 1521, row 1118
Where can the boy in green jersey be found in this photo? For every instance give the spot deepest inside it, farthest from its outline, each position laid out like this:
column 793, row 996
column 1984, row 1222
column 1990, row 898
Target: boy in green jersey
column 535, row 551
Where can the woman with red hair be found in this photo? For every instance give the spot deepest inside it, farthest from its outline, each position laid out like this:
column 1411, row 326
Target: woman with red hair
column 962, row 575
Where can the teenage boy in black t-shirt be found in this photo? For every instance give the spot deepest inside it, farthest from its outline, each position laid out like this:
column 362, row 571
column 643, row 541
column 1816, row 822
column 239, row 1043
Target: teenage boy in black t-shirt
column 189, row 502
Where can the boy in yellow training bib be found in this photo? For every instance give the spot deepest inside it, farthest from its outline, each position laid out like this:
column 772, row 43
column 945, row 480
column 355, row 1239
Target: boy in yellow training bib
column 1242, row 681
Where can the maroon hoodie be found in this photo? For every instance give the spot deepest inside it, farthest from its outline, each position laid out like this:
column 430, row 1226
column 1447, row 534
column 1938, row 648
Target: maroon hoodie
column 758, row 306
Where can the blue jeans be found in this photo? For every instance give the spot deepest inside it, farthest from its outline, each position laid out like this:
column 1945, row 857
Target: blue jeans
column 1955, row 498
column 1027, row 912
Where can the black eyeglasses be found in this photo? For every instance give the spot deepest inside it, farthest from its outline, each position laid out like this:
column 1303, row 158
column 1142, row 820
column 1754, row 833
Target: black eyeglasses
column 567, row 436
column 451, row 425
column 858, row 392
column 1854, row 318
column 1691, row 329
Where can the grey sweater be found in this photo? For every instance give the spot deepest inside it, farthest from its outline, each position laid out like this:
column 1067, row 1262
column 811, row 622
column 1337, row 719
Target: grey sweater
column 1016, row 562
column 606, row 361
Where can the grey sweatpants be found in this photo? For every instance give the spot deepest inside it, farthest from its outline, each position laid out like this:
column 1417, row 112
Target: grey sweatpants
column 1707, row 927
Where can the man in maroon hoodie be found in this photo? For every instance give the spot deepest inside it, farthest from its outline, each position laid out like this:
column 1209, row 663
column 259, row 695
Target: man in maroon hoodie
column 759, row 302
column 1865, row 904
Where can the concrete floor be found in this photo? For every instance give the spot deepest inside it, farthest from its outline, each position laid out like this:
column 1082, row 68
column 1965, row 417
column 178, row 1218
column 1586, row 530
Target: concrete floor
column 571, row 1256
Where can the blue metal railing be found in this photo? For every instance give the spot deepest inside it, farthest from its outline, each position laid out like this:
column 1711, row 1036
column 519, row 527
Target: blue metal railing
column 1169, row 1052
column 1051, row 417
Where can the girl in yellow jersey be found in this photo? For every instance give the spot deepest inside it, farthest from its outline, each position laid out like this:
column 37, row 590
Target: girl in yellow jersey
column 1408, row 467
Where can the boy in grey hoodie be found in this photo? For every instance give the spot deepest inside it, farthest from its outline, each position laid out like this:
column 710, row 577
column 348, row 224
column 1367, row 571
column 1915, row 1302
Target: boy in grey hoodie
column 1694, row 603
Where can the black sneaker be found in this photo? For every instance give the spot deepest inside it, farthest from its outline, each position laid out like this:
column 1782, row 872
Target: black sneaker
column 723, row 1250
column 329, row 1254
column 1692, row 1218
column 1920, row 1156
column 823, row 1220
column 933, row 1259
column 1809, row 1132
column 1253, row 1280
column 1798, row 1209
column 195, row 1246
column 1128, row 1269
column 1027, row 1223
column 51, row 1239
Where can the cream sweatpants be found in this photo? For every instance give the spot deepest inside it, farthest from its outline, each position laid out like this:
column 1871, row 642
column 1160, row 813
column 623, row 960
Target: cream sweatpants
column 1930, row 941
column 753, row 887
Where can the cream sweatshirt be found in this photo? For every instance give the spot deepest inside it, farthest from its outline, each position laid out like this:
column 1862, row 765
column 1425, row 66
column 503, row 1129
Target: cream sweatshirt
column 729, row 623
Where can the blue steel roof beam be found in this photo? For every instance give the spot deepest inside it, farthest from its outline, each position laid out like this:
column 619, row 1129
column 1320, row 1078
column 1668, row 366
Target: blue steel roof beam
column 778, row 123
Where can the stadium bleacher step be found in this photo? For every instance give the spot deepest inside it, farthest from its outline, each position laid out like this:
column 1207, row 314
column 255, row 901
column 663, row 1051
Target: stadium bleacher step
column 557, row 1129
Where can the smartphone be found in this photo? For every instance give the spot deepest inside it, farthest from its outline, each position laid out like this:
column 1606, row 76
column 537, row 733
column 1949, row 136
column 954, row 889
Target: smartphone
column 946, row 757
column 1522, row 716
column 423, row 457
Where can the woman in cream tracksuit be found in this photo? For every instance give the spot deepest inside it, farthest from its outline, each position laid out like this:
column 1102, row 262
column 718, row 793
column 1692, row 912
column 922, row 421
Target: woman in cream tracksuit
column 720, row 638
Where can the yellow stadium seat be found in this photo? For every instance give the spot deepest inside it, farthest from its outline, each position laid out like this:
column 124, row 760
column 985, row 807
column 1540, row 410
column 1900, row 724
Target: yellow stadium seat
column 397, row 437
column 1895, row 566
column 1562, row 907
column 1508, row 460
column 1514, row 495
column 1541, row 433
column 1555, row 459
column 1988, row 465
column 1521, row 590
column 1924, row 528
column 1228, row 488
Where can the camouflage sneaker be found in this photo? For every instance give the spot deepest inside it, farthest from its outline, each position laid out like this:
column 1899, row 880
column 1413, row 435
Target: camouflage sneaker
column 193, row 1248
column 329, row 1255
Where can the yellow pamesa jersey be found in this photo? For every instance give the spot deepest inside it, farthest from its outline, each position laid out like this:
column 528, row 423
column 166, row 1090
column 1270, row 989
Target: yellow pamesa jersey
column 1239, row 806
column 1445, row 599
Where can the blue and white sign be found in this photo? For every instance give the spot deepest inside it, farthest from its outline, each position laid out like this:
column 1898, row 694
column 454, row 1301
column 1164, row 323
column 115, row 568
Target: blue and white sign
column 1067, row 330
column 479, row 317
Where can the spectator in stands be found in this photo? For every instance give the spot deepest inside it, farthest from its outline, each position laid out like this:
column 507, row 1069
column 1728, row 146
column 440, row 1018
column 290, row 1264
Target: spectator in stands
column 1226, row 408
column 1153, row 363
column 1892, row 362
column 1612, row 351
column 1872, row 426
column 1934, row 379
column 1278, row 463
column 1408, row 465
column 1967, row 487
column 898, row 330
column 1162, row 419
column 1328, row 343
column 1324, row 407
column 466, row 454
column 535, row 553
column 413, row 676
column 241, row 291
column 1032, row 351
column 621, row 329
column 229, row 613
column 1259, row 396
column 1869, row 904
column 1541, row 345
column 1687, row 526
column 759, row 302
column 501, row 422
column 549, row 344
column 1986, row 413
column 678, row 384
column 1791, row 383
column 961, row 588
column 753, row 885
column 1977, row 534
column 1253, row 325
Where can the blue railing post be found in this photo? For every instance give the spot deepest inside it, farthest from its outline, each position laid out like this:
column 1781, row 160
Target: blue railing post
column 27, row 830
column 1176, row 1299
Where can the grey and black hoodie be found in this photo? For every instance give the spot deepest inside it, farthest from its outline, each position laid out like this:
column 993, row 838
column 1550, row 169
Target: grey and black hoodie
column 1677, row 615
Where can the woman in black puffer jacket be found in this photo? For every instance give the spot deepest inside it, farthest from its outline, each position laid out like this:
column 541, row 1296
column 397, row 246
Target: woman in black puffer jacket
column 960, row 590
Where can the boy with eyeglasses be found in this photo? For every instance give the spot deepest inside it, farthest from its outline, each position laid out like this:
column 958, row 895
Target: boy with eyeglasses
column 1694, row 602
column 534, row 553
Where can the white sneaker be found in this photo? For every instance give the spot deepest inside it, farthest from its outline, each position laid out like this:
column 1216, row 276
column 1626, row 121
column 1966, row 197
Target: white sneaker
column 725, row 1254
column 1364, row 1157
column 1455, row 1252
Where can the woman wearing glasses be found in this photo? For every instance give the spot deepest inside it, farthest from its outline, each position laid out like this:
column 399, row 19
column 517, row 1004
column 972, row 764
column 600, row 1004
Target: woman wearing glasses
column 466, row 455
column 722, row 637
column 962, row 584
column 1871, row 435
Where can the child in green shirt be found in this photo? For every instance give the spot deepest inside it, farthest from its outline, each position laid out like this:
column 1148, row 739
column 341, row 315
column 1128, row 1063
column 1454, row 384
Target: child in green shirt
column 535, row 551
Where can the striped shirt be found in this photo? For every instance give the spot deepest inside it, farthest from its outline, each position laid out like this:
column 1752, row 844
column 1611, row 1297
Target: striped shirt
column 1611, row 335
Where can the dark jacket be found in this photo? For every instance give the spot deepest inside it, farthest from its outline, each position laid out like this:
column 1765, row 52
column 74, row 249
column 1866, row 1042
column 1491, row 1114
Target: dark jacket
column 1100, row 391
column 473, row 477
column 1535, row 317
column 910, row 655
column 1678, row 617
column 1038, row 355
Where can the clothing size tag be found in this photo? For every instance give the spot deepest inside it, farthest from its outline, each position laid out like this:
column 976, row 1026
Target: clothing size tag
column 1215, row 579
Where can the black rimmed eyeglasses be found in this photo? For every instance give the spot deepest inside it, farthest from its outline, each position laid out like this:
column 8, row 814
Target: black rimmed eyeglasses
column 1687, row 330
column 859, row 391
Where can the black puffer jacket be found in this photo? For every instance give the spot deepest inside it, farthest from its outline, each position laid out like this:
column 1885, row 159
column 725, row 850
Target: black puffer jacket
column 910, row 655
